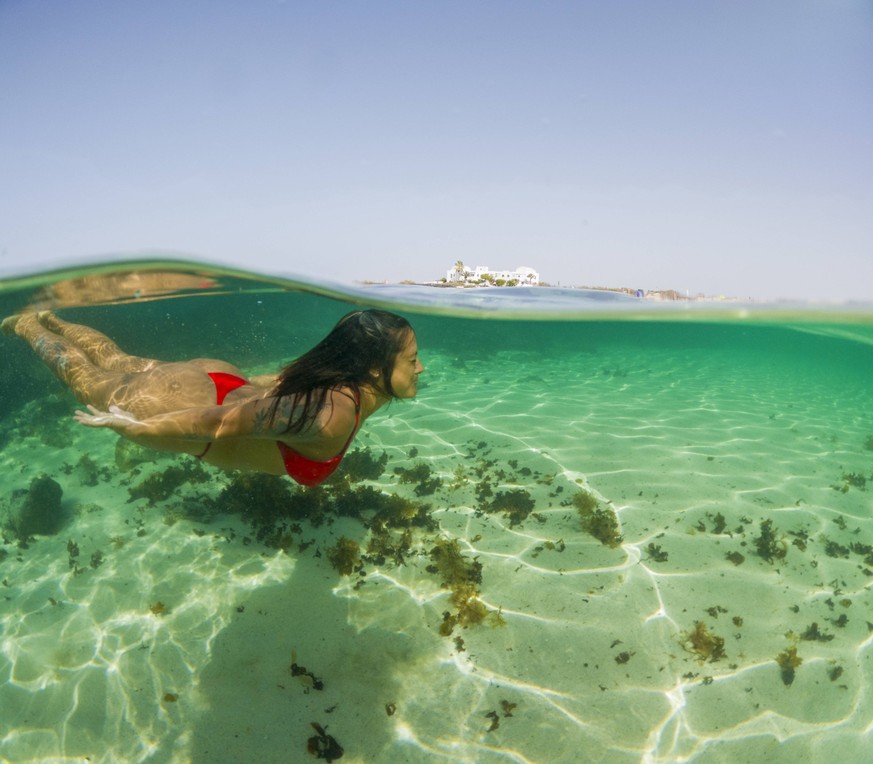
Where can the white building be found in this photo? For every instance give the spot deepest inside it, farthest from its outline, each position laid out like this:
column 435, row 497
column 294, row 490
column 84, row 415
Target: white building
column 523, row 275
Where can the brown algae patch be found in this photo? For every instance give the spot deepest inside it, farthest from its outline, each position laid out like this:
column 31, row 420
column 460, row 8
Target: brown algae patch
column 769, row 545
column 597, row 521
column 788, row 661
column 462, row 575
column 703, row 643
column 345, row 556
column 515, row 504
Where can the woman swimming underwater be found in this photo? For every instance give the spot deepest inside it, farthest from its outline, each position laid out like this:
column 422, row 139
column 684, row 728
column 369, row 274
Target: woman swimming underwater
column 298, row 423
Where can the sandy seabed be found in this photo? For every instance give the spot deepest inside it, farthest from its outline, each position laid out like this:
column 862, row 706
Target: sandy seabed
column 703, row 636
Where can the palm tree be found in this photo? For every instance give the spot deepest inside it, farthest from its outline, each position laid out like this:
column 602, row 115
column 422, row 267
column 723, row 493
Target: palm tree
column 461, row 270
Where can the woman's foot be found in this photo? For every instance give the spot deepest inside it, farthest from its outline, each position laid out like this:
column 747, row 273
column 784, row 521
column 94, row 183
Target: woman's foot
column 47, row 319
column 8, row 325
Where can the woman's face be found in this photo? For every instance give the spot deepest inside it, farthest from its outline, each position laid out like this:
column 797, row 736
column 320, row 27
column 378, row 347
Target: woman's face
column 407, row 367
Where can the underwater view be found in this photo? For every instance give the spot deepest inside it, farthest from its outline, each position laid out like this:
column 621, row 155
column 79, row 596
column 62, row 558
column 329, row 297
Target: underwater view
column 604, row 530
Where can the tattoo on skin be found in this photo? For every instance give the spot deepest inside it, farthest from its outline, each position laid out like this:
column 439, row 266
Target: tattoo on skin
column 262, row 420
column 283, row 413
column 284, row 410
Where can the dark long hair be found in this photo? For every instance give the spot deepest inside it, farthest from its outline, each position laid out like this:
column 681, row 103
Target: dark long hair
column 362, row 342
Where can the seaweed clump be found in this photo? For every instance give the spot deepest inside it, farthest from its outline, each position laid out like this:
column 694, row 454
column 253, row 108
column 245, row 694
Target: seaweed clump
column 345, row 556
column 454, row 569
column 323, row 746
column 814, row 634
column 90, row 473
column 274, row 509
column 462, row 575
column 421, row 475
column 384, row 510
column 855, row 480
column 162, row 485
column 835, row 549
column 599, row 522
column 865, row 550
column 768, row 545
column 469, row 610
column 516, row 504
column 384, row 546
column 306, row 677
column 788, row 660
column 249, row 492
column 704, row 644
column 34, row 510
column 267, row 502
column 359, row 465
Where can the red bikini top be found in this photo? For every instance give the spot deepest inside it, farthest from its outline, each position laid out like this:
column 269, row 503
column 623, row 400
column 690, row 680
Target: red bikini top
column 309, row 472
column 305, row 471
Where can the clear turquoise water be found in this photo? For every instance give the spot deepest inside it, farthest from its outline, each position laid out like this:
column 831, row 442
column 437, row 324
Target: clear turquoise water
column 733, row 445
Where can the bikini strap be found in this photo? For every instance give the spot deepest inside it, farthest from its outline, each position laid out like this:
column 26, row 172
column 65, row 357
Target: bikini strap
column 357, row 399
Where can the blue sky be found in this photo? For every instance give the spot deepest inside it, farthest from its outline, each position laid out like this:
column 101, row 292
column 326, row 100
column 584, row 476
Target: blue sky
column 715, row 147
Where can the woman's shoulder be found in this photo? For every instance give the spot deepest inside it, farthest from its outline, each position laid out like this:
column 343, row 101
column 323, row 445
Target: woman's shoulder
column 339, row 416
column 330, row 431
column 335, row 416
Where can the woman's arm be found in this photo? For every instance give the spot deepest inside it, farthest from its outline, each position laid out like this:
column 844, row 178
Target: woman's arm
column 249, row 419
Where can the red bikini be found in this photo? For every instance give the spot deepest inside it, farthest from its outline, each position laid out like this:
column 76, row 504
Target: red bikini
column 305, row 471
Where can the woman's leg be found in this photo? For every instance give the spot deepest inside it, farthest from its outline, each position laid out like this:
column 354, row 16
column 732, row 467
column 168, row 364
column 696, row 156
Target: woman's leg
column 102, row 351
column 150, row 387
column 88, row 382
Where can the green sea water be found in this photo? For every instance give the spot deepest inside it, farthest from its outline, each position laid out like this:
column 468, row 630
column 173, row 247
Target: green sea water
column 606, row 530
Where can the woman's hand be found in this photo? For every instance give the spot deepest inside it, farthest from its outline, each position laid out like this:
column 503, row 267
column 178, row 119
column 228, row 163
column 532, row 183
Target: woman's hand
column 116, row 419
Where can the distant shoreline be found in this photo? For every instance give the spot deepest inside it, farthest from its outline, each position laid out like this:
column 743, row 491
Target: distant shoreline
column 657, row 295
